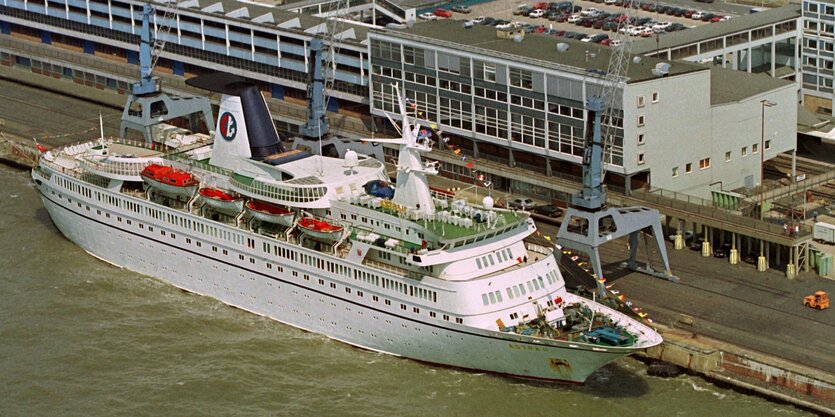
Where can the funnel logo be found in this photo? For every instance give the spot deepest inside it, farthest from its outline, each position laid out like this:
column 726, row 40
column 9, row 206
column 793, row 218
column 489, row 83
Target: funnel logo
column 228, row 126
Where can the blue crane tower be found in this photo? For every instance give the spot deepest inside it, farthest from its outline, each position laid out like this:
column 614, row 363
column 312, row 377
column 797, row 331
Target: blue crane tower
column 589, row 223
column 147, row 106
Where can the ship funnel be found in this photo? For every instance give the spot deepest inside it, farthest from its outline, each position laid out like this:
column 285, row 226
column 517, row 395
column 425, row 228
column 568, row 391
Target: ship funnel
column 244, row 126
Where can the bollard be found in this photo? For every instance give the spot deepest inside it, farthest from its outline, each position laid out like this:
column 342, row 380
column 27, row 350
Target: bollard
column 679, row 241
column 762, row 265
column 790, row 272
column 734, row 256
column 706, row 249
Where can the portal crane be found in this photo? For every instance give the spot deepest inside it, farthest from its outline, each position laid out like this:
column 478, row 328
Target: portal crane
column 147, row 105
column 588, row 222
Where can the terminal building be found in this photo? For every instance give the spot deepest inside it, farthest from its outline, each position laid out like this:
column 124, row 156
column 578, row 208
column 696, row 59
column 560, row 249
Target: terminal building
column 818, row 56
column 680, row 126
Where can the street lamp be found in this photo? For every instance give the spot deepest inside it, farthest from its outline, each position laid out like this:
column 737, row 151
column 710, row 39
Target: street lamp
column 764, row 103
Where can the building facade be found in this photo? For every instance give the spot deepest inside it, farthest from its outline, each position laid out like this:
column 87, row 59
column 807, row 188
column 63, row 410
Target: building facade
column 818, row 56
column 678, row 126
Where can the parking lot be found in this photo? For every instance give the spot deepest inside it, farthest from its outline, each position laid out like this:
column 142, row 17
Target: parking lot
column 504, row 11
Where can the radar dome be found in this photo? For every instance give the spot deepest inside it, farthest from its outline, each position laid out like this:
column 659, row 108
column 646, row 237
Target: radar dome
column 487, row 202
column 351, row 158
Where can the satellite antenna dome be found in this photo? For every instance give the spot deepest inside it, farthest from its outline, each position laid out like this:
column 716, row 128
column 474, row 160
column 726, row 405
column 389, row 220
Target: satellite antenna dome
column 487, row 202
column 351, row 159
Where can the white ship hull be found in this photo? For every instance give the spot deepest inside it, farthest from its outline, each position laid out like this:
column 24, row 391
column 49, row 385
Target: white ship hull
column 318, row 303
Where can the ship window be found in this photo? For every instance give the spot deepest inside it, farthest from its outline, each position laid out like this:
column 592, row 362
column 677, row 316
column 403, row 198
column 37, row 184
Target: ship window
column 415, row 310
column 200, row 245
column 225, row 252
column 251, row 260
column 459, row 320
column 321, row 281
column 359, row 294
column 535, row 284
column 492, row 298
column 522, row 289
column 280, row 268
column 388, row 302
column 241, row 257
column 119, row 219
column 484, row 299
column 499, row 296
column 432, row 314
column 478, row 262
column 514, row 316
column 541, row 282
column 162, row 232
column 446, row 317
column 333, row 285
column 348, row 290
column 516, row 291
column 214, row 249
column 129, row 222
column 509, row 293
column 490, row 257
column 375, row 298
column 269, row 265
column 530, row 286
column 403, row 307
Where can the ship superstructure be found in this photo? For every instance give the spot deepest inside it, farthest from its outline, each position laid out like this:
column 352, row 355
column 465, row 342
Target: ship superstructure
column 331, row 246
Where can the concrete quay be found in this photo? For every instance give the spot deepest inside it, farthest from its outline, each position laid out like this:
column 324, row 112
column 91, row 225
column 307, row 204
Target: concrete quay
column 748, row 328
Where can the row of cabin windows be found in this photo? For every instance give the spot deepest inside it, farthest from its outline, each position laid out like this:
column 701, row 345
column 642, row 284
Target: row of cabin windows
column 319, row 263
column 502, row 255
column 156, row 214
column 389, row 284
column 414, row 291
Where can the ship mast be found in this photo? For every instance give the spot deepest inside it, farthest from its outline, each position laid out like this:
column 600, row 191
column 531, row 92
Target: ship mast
column 412, row 188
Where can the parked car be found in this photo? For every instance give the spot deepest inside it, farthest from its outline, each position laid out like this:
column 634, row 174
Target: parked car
column 521, row 203
column 522, row 11
column 428, row 16
column 462, row 9
column 548, row 210
column 589, row 11
column 573, row 18
column 596, row 38
column 478, row 20
column 675, row 27
column 697, row 15
column 537, row 13
column 442, row 13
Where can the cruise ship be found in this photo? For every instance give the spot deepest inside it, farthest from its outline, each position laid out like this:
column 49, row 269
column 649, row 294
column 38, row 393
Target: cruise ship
column 332, row 246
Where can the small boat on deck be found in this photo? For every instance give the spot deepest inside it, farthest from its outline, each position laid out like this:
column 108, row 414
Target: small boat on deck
column 168, row 180
column 320, row 229
column 270, row 213
column 221, row 200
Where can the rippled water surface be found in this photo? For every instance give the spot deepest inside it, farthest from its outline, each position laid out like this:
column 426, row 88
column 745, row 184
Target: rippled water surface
column 80, row 337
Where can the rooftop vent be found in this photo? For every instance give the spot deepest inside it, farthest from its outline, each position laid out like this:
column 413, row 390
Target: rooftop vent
column 661, row 69
column 562, row 47
column 510, row 32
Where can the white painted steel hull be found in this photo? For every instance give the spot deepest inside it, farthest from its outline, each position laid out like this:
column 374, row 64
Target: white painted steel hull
column 248, row 283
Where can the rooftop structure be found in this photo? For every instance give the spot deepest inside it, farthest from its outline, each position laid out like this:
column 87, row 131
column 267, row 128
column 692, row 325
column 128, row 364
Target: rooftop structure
column 524, row 100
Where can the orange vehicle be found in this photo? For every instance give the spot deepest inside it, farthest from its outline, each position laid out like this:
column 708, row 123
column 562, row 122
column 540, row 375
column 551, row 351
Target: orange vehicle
column 818, row 300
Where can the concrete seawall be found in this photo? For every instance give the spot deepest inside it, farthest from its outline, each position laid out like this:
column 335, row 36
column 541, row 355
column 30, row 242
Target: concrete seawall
column 753, row 372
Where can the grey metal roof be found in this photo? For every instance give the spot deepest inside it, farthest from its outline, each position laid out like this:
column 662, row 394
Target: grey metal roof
column 727, row 86
column 541, row 50
column 268, row 16
column 718, row 29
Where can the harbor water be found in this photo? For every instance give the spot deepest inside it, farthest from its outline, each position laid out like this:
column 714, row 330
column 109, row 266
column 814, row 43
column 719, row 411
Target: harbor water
column 80, row 337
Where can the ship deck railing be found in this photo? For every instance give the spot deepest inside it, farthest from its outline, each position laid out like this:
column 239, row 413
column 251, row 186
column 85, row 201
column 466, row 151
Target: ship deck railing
column 202, row 165
column 445, row 231
column 283, row 193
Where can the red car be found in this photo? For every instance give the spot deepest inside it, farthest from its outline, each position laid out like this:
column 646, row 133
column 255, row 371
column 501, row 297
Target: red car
column 715, row 19
column 539, row 29
column 442, row 13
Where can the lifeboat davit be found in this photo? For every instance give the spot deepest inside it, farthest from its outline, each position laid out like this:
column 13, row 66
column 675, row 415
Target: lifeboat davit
column 221, row 200
column 270, row 213
column 320, row 229
column 170, row 180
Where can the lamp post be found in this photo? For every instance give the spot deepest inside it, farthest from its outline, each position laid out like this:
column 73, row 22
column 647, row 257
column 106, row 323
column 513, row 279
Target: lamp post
column 764, row 104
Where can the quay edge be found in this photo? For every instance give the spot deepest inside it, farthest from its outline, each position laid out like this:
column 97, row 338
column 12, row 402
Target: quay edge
column 751, row 372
